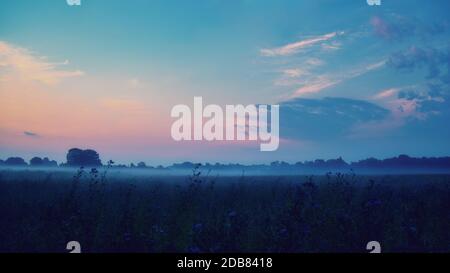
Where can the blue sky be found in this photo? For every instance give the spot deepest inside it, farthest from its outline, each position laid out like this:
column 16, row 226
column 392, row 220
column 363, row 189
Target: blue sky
column 352, row 80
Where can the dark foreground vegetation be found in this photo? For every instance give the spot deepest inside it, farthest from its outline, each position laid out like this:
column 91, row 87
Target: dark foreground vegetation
column 42, row 211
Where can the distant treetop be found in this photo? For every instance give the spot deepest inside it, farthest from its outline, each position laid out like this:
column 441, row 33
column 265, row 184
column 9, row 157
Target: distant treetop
column 87, row 158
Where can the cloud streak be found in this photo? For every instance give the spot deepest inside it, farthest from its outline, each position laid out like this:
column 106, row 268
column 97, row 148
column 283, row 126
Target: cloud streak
column 295, row 47
column 19, row 62
column 30, row 134
column 388, row 93
column 318, row 83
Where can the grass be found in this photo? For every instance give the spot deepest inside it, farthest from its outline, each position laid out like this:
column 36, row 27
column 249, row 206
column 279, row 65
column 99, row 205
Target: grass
column 42, row 211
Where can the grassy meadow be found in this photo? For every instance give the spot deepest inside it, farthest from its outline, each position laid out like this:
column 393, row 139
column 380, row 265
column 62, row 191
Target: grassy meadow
column 40, row 211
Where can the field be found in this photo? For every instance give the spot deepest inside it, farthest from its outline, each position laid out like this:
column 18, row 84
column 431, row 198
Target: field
column 40, row 211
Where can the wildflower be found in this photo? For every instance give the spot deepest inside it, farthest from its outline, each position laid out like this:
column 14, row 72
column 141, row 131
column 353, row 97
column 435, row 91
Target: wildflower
column 198, row 227
column 232, row 214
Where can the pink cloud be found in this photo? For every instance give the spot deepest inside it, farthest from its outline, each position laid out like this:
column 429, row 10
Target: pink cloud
column 381, row 27
column 316, row 86
column 386, row 93
column 23, row 64
column 293, row 48
column 318, row 83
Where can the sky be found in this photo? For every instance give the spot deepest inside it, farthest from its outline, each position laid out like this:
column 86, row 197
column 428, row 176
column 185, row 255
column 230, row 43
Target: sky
column 352, row 80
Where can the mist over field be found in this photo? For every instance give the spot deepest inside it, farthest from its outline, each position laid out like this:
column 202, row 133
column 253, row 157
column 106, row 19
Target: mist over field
column 148, row 211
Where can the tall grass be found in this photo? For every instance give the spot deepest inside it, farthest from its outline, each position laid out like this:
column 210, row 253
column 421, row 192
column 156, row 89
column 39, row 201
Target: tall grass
column 330, row 213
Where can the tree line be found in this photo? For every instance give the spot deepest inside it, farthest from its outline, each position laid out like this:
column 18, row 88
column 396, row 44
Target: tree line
column 90, row 158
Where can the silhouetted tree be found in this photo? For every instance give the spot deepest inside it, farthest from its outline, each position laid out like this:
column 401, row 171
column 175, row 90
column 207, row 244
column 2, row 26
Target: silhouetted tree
column 49, row 163
column 77, row 157
column 338, row 163
column 15, row 161
column 39, row 162
column 36, row 161
column 184, row 165
column 141, row 165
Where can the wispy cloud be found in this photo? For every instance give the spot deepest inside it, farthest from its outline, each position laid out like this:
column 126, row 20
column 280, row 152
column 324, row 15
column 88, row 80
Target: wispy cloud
column 30, row 134
column 314, row 62
column 374, row 66
column 307, row 73
column 331, row 46
column 22, row 63
column 386, row 93
column 405, row 102
column 295, row 47
column 298, row 73
column 401, row 110
column 294, row 72
column 318, row 83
